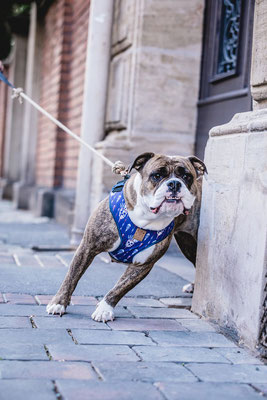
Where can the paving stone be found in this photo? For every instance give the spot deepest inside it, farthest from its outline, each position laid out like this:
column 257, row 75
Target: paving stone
column 68, row 321
column 14, row 298
column 23, row 352
column 50, row 261
column 45, row 370
column 204, row 391
column 73, row 352
column 125, row 324
column 75, row 311
column 7, row 259
column 36, row 336
column 177, row 301
column 27, row 260
column 84, row 300
column 22, row 310
column 67, row 257
column 198, row 339
column 245, row 373
column 148, row 312
column 197, row 325
column 144, row 371
column 179, row 354
column 43, row 299
column 140, row 302
column 14, row 389
column 15, row 322
column 237, row 355
column 73, row 390
column 119, row 312
column 84, row 336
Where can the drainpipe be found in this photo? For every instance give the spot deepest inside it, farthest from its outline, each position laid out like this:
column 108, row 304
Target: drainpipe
column 94, row 105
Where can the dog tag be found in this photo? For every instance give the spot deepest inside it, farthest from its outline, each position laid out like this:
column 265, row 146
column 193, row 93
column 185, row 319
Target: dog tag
column 139, row 234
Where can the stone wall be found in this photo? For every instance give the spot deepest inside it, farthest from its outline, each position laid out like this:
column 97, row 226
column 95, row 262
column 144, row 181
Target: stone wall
column 231, row 259
column 154, row 79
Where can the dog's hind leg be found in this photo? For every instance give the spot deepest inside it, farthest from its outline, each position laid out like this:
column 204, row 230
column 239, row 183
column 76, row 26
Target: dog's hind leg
column 188, row 246
column 130, row 278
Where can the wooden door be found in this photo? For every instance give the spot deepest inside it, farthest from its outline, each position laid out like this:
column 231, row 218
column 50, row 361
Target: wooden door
column 225, row 70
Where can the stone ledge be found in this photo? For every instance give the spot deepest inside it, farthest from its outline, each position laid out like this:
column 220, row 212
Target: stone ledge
column 252, row 121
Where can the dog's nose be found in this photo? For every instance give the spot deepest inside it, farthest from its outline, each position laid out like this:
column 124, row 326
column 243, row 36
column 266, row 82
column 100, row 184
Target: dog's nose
column 174, row 186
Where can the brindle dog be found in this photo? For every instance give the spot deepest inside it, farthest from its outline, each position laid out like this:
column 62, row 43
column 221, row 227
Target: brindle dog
column 165, row 188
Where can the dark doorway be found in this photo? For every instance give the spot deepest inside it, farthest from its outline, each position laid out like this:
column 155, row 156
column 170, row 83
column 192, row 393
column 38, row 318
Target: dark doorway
column 225, row 69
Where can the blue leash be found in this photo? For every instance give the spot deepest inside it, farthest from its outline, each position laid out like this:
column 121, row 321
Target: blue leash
column 5, row 80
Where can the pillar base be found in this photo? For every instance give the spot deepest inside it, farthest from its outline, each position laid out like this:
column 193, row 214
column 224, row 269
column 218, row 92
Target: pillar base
column 6, row 189
column 231, row 259
column 21, row 195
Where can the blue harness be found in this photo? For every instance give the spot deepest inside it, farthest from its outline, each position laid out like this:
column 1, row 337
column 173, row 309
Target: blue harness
column 133, row 239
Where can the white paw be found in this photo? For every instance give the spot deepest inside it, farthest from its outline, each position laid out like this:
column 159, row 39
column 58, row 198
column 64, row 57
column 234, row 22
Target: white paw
column 189, row 288
column 55, row 309
column 104, row 312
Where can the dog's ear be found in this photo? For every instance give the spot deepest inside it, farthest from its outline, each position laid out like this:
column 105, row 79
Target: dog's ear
column 199, row 165
column 140, row 161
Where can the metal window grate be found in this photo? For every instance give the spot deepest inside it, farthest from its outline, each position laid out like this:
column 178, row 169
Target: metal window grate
column 229, row 37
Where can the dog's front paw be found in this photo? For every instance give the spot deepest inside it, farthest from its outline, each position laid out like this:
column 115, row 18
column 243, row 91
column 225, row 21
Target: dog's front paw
column 104, row 312
column 53, row 308
column 189, row 288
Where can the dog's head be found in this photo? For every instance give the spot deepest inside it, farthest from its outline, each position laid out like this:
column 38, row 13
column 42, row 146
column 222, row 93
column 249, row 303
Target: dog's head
column 168, row 184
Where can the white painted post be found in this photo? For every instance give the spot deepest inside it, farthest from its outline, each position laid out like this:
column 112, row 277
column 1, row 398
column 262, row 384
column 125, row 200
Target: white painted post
column 94, row 104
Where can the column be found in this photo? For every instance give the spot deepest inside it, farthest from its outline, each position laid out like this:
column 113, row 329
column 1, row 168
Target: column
column 94, row 105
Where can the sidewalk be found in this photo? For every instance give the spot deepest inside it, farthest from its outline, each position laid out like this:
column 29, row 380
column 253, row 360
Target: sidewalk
column 156, row 349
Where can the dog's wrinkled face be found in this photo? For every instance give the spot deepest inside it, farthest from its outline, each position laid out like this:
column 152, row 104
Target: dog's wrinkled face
column 168, row 185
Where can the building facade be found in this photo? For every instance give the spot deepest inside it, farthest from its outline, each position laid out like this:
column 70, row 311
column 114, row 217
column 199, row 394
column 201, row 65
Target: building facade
column 128, row 77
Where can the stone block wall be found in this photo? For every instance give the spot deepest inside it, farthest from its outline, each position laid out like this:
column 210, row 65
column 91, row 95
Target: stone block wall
column 154, row 79
column 231, row 259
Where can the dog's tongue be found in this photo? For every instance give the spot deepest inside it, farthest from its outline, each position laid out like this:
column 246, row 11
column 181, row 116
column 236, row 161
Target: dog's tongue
column 154, row 210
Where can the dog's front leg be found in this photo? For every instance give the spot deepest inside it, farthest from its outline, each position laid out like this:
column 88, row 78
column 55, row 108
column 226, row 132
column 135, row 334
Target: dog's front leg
column 81, row 261
column 131, row 277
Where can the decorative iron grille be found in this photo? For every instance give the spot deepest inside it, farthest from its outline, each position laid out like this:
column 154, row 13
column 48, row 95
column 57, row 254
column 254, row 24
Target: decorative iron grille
column 229, row 37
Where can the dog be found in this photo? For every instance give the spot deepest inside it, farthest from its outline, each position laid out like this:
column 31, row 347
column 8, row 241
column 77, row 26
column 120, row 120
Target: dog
column 136, row 223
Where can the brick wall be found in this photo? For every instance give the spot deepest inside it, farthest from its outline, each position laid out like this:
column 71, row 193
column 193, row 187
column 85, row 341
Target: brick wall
column 64, row 53
column 80, row 10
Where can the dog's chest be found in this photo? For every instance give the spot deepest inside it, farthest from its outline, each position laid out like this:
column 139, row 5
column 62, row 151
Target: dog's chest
column 136, row 244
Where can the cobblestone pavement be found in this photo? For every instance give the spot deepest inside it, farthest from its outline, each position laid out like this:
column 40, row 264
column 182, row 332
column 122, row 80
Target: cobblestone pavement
column 155, row 349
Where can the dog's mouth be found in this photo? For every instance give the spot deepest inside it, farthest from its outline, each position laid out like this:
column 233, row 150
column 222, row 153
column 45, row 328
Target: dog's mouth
column 170, row 200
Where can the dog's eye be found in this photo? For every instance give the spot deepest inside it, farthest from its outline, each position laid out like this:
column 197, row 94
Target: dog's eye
column 156, row 176
column 188, row 178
